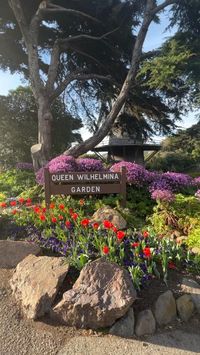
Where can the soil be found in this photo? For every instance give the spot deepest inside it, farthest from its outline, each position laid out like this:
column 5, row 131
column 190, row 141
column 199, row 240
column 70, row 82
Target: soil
column 155, row 287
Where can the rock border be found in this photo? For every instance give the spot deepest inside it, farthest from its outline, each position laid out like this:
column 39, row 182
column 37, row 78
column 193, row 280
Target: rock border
column 165, row 310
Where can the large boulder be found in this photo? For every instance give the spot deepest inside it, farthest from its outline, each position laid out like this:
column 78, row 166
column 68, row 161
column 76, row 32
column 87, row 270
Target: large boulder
column 35, row 283
column 11, row 252
column 110, row 214
column 103, row 293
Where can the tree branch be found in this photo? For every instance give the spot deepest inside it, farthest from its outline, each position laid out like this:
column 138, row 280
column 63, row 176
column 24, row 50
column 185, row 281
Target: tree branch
column 30, row 38
column 52, row 8
column 15, row 5
column 163, row 5
column 76, row 76
column 53, row 68
column 82, row 36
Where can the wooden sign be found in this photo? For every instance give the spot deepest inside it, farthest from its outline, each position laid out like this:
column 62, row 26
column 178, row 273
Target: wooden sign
column 85, row 183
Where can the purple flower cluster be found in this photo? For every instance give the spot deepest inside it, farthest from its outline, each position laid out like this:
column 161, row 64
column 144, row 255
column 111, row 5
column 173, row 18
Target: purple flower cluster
column 66, row 164
column 136, row 174
column 86, row 164
column 139, row 176
column 177, row 180
column 39, row 176
column 170, row 181
column 24, row 166
column 198, row 194
column 159, row 183
column 163, row 195
column 62, row 163
column 196, row 181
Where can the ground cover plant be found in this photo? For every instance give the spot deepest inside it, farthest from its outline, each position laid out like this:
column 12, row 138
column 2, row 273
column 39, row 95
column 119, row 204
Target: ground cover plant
column 169, row 201
column 16, row 180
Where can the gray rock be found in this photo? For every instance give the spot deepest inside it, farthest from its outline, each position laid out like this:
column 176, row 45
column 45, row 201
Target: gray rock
column 35, row 283
column 108, row 213
column 165, row 308
column 145, row 324
column 185, row 307
column 193, row 288
column 124, row 327
column 102, row 294
column 11, row 252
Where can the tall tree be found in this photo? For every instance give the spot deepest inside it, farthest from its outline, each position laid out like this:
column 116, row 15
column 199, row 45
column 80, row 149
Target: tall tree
column 174, row 70
column 82, row 41
column 18, row 121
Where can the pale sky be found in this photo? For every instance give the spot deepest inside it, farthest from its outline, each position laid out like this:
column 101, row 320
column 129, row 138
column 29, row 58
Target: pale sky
column 154, row 39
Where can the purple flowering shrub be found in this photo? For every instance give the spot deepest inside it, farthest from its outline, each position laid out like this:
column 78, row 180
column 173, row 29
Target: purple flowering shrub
column 68, row 164
column 136, row 174
column 39, row 176
column 163, row 195
column 196, row 181
column 159, row 183
column 88, row 164
column 24, row 166
column 177, row 180
column 62, row 163
column 170, row 181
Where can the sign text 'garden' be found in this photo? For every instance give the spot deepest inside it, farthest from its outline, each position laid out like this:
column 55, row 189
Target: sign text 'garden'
column 85, row 183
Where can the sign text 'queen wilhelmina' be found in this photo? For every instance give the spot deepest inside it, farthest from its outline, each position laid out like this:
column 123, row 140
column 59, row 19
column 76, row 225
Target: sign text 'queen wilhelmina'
column 85, row 183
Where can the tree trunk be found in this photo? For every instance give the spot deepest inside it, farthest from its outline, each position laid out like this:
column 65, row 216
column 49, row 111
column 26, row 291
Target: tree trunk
column 41, row 152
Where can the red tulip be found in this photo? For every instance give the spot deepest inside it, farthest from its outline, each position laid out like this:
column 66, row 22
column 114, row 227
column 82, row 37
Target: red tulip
column 105, row 249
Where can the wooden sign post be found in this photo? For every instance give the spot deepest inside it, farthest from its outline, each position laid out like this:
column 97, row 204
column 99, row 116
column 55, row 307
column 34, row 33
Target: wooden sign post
column 85, row 183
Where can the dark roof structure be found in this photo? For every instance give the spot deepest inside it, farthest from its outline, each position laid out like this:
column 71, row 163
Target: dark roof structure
column 125, row 148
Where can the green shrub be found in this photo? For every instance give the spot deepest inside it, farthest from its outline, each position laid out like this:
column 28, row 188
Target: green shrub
column 182, row 215
column 13, row 182
column 194, row 237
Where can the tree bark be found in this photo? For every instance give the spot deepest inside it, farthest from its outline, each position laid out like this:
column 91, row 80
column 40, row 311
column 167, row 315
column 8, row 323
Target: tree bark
column 41, row 152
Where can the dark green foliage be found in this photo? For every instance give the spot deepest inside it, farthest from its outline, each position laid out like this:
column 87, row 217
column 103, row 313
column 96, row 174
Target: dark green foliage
column 98, row 55
column 140, row 206
column 180, row 152
column 171, row 161
column 174, row 70
column 18, row 120
column 146, row 108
